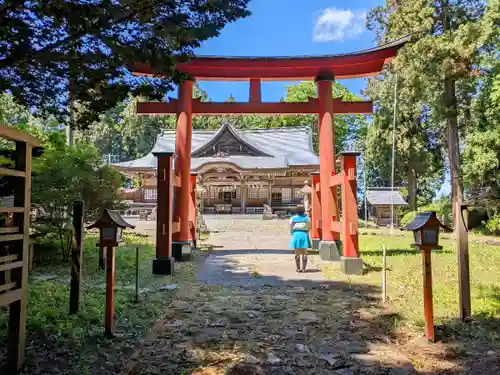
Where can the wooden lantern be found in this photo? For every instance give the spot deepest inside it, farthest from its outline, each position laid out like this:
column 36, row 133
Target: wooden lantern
column 426, row 227
column 110, row 226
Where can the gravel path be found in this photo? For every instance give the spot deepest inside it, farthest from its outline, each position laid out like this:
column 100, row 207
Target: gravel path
column 251, row 252
column 245, row 311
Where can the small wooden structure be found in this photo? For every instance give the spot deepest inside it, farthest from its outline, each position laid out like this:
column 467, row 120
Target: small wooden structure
column 15, row 239
column 110, row 226
column 426, row 227
column 380, row 200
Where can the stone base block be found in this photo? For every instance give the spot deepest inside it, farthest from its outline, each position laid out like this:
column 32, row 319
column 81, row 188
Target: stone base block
column 315, row 243
column 328, row 251
column 351, row 266
column 163, row 266
column 181, row 251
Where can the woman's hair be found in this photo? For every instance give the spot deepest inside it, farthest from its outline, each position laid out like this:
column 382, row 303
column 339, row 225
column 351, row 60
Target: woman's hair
column 300, row 209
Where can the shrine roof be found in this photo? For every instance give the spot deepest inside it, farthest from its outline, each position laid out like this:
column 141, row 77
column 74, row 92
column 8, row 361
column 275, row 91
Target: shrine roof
column 233, row 68
column 274, row 148
column 384, row 197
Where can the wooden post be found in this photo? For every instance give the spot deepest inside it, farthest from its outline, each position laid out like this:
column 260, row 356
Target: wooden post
column 428, row 304
column 193, row 209
column 162, row 263
column 183, row 160
column 329, row 201
column 349, row 205
column 137, row 274
column 110, row 292
column 76, row 258
column 384, row 274
column 18, row 310
column 461, row 222
column 315, row 211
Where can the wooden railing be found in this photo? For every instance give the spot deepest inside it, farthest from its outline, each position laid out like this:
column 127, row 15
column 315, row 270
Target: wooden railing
column 15, row 243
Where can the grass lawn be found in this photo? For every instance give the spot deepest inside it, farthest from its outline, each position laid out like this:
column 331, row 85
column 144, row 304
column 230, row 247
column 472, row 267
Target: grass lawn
column 405, row 296
column 75, row 343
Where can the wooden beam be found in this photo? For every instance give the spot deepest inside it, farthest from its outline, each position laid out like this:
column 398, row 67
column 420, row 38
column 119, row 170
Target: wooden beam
column 9, row 258
column 6, row 210
column 9, row 297
column 11, row 172
column 337, row 179
column 336, row 226
column 9, row 230
column 7, row 286
column 176, row 226
column 11, row 266
column 269, row 108
column 11, row 237
column 18, row 136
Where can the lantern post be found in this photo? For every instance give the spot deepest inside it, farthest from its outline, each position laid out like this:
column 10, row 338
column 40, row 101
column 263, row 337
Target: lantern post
column 426, row 227
column 110, row 226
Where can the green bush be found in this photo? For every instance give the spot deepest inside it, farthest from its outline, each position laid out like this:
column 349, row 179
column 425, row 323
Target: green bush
column 442, row 208
column 493, row 225
column 408, row 218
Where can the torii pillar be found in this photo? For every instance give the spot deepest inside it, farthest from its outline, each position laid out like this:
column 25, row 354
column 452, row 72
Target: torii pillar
column 181, row 243
column 328, row 249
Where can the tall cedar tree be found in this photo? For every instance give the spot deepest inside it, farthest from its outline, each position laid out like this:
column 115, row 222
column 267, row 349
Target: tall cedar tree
column 446, row 44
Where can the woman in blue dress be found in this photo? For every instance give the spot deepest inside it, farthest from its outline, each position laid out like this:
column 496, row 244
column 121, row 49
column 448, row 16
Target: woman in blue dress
column 300, row 242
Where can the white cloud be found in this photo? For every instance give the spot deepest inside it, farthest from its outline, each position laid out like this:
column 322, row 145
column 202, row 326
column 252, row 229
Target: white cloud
column 338, row 25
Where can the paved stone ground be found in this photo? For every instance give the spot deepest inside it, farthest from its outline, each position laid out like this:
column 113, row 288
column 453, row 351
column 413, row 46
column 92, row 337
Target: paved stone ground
column 245, row 311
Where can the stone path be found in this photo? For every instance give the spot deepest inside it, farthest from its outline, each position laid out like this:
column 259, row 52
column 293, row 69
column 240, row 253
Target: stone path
column 247, row 312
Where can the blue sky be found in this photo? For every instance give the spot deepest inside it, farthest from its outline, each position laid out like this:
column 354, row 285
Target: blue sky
column 292, row 28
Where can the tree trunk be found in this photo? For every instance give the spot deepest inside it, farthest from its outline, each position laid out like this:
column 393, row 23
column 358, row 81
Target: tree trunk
column 453, row 142
column 412, row 186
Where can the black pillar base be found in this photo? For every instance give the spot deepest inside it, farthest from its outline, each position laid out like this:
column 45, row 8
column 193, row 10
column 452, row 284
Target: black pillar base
column 315, row 243
column 181, row 251
column 163, row 266
column 329, row 251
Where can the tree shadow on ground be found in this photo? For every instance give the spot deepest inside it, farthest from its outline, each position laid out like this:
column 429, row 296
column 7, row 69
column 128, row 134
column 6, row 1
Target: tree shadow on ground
column 275, row 326
column 400, row 252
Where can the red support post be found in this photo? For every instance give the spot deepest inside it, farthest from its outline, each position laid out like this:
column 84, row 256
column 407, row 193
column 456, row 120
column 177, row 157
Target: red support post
column 255, row 91
column 183, row 167
column 315, row 211
column 163, row 263
column 351, row 262
column 193, row 209
column 329, row 202
column 430, row 332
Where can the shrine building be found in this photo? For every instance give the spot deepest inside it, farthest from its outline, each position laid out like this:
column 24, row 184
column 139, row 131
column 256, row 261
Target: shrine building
column 240, row 170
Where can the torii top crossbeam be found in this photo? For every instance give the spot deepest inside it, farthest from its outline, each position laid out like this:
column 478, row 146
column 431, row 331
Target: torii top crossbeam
column 350, row 65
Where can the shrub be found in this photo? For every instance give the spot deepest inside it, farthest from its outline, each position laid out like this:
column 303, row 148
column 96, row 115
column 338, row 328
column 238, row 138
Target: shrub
column 493, row 225
column 63, row 175
column 408, row 218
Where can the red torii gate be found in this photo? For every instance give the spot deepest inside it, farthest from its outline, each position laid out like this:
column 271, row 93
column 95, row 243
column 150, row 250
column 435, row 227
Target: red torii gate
column 326, row 227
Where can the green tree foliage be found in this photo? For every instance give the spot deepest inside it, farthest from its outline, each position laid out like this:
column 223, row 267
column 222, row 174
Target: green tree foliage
column 418, row 143
column 447, row 38
column 481, row 154
column 86, row 48
column 64, row 174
